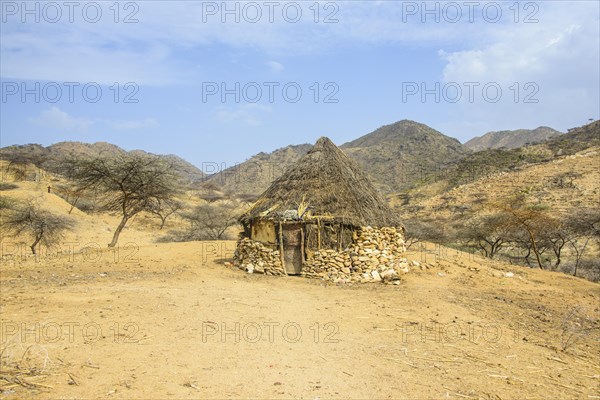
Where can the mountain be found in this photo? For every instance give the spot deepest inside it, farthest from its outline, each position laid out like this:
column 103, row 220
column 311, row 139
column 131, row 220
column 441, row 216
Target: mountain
column 253, row 176
column 403, row 154
column 488, row 164
column 511, row 139
column 394, row 156
column 52, row 156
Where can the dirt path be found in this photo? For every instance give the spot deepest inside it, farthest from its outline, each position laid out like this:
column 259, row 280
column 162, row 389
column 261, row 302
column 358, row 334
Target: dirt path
column 165, row 324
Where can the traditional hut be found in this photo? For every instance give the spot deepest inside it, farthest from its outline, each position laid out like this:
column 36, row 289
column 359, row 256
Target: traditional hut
column 312, row 219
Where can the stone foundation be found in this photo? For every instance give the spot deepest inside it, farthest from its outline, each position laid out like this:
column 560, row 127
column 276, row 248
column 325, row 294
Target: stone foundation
column 376, row 255
column 254, row 257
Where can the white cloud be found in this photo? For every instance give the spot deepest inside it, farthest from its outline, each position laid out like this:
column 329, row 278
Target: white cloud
column 57, row 119
column 275, row 67
column 146, row 123
column 246, row 113
column 558, row 55
column 564, row 43
column 158, row 50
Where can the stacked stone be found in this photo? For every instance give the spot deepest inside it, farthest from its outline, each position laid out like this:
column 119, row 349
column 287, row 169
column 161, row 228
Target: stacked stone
column 376, row 255
column 254, row 257
column 328, row 265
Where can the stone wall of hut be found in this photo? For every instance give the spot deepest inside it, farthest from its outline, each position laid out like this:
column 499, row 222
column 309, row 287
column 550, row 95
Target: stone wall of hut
column 377, row 254
column 255, row 257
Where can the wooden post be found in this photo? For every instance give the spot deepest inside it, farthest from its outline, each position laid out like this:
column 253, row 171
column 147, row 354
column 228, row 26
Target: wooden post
column 318, row 234
column 281, row 248
column 302, row 243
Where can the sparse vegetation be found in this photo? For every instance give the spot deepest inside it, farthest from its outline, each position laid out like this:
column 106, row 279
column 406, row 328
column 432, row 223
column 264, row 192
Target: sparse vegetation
column 164, row 208
column 130, row 183
column 211, row 221
column 4, row 186
column 41, row 226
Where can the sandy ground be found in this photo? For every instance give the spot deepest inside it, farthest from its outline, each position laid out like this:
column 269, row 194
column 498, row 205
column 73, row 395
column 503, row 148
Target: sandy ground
column 172, row 321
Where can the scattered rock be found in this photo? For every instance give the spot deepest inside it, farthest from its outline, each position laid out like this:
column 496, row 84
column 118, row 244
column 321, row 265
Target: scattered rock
column 376, row 276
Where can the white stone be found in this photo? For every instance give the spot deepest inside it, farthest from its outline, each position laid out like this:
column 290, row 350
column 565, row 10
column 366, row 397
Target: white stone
column 376, row 275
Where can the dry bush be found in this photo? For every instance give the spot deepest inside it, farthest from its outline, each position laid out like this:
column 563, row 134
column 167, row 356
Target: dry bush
column 576, row 325
column 210, row 221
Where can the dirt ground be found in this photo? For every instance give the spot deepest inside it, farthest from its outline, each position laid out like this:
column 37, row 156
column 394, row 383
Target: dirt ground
column 173, row 321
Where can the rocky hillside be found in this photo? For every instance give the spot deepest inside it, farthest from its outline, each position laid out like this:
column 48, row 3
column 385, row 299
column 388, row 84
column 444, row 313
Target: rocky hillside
column 489, row 162
column 253, row 176
column 511, row 139
column 51, row 157
column 556, row 182
column 403, row 154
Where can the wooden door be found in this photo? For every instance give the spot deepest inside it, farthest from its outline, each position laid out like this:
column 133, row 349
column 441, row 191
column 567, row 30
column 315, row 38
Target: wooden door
column 292, row 249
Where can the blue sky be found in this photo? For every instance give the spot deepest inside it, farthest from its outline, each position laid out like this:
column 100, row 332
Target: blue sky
column 461, row 69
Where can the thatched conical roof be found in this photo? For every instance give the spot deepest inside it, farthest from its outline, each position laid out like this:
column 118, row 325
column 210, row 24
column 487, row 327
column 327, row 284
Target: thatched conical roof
column 324, row 184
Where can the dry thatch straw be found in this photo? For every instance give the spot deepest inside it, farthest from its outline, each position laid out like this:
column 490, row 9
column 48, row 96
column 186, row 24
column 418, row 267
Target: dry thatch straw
column 331, row 186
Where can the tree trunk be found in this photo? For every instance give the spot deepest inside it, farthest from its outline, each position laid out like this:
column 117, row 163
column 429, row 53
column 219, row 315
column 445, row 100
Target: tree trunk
column 73, row 205
column 37, row 240
column 534, row 247
column 578, row 254
column 115, row 238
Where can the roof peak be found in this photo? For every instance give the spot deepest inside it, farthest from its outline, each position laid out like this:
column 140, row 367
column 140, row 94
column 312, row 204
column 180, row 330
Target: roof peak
column 331, row 184
column 324, row 141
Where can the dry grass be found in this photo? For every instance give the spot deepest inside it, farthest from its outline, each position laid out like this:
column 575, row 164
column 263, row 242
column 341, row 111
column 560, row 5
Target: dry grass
column 22, row 367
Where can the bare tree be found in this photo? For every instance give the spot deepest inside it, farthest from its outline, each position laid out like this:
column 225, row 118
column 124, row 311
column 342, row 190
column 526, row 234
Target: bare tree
column 418, row 230
column 71, row 194
column 211, row 221
column 533, row 220
column 131, row 183
column 488, row 232
column 17, row 166
column 40, row 225
column 582, row 226
column 163, row 209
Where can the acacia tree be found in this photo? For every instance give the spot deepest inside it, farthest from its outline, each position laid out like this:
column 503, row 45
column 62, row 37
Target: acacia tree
column 419, row 230
column 17, row 166
column 40, row 225
column 211, row 221
column 131, row 183
column 535, row 229
column 488, row 232
column 163, row 209
column 71, row 194
column 556, row 237
column 582, row 226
